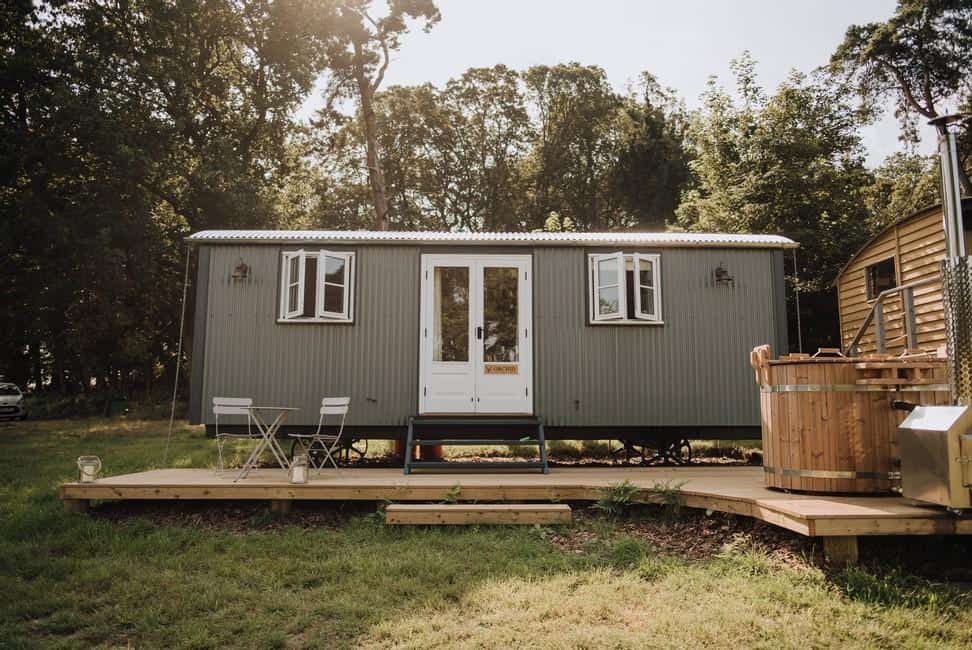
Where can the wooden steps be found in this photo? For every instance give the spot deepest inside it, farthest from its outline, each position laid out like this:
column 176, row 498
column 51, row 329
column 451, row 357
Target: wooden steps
column 486, row 513
column 431, row 431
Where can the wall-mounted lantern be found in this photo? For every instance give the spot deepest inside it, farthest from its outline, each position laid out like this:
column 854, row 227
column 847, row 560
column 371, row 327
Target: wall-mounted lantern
column 722, row 276
column 242, row 271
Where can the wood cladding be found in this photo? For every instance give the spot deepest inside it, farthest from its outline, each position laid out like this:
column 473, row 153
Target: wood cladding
column 917, row 246
column 828, row 423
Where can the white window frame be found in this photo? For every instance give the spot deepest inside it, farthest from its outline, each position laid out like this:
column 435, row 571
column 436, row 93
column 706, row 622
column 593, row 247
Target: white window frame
column 596, row 286
column 323, row 284
column 642, row 316
column 640, row 312
column 288, row 315
column 288, row 282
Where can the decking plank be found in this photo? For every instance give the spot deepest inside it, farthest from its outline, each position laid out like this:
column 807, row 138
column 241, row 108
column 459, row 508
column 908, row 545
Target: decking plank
column 737, row 490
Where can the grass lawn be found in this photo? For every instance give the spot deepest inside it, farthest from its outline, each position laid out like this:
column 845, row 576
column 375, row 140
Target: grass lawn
column 188, row 576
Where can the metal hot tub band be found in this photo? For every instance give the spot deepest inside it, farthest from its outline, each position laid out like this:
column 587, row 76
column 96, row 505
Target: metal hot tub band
column 851, row 388
column 826, row 473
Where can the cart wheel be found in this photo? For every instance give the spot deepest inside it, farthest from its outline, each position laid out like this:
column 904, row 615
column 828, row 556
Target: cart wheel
column 359, row 447
column 682, row 452
column 620, row 455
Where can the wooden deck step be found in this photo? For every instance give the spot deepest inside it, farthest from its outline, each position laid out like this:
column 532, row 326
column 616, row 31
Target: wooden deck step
column 486, row 513
column 475, row 441
column 482, row 466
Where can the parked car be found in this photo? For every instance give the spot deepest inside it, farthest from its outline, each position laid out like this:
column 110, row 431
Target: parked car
column 12, row 402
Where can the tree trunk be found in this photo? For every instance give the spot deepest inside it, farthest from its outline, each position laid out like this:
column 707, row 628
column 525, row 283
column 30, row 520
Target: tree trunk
column 375, row 175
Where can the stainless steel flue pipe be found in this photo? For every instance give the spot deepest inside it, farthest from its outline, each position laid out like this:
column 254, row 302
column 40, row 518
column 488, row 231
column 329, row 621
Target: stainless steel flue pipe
column 956, row 268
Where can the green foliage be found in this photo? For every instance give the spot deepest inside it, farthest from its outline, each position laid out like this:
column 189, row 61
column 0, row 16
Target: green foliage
column 789, row 163
column 895, row 588
column 452, row 495
column 557, row 223
column 618, row 499
column 921, row 58
column 497, row 149
column 628, row 552
column 124, row 127
column 669, row 494
column 903, row 184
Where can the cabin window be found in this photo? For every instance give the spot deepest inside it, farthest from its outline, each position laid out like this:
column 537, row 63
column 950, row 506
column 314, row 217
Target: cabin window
column 880, row 277
column 625, row 288
column 317, row 287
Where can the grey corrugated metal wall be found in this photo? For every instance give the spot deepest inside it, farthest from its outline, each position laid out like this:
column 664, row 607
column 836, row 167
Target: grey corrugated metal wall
column 693, row 370
column 374, row 360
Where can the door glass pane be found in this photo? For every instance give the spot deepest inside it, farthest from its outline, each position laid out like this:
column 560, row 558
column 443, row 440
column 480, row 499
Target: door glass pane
column 451, row 317
column 500, row 302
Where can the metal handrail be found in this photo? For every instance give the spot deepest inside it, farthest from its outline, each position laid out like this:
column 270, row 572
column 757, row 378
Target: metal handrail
column 877, row 313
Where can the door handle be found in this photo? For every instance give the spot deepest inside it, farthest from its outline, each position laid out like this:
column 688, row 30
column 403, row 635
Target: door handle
column 479, row 333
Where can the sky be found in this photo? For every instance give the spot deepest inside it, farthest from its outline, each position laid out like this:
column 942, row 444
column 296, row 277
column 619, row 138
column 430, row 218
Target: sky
column 682, row 43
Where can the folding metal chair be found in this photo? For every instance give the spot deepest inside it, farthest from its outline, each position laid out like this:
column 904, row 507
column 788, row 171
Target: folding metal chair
column 327, row 441
column 232, row 406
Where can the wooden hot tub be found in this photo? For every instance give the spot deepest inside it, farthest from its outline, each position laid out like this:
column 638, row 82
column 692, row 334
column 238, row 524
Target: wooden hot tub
column 828, row 421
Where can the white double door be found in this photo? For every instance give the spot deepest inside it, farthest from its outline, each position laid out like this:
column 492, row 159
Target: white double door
column 476, row 345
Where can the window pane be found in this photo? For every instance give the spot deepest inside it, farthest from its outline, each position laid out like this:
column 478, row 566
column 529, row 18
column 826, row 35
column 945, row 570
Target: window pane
column 648, row 301
column 880, row 277
column 500, row 306
column 334, row 270
column 451, row 317
column 292, row 298
column 629, row 294
column 294, row 270
column 646, row 274
column 608, row 301
column 309, row 308
column 607, row 272
column 333, row 299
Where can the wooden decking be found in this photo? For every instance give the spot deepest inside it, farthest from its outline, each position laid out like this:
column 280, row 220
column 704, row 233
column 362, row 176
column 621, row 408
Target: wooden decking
column 737, row 490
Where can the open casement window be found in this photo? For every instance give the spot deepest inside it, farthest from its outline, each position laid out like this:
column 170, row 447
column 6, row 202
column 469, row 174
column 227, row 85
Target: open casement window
column 334, row 284
column 647, row 294
column 293, row 294
column 317, row 286
column 625, row 288
column 608, row 287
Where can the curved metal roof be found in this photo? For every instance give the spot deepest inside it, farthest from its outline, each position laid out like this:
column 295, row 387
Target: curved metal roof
column 966, row 208
column 661, row 239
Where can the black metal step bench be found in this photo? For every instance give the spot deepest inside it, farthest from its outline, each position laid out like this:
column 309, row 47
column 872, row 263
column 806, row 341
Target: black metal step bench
column 426, row 431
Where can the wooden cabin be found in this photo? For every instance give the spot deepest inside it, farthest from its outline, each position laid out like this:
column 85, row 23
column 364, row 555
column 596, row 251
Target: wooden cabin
column 908, row 251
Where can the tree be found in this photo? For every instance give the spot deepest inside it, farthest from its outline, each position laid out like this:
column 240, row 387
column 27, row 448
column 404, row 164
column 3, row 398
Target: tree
column 124, row 126
column 903, row 184
column 921, row 57
column 652, row 162
column 789, row 164
column 360, row 56
column 490, row 134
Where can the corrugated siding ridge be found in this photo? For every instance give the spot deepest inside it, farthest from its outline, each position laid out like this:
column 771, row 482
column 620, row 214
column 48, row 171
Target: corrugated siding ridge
column 726, row 240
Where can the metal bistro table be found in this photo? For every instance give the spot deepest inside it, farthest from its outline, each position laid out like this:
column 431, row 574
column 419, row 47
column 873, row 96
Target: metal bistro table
column 268, row 433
